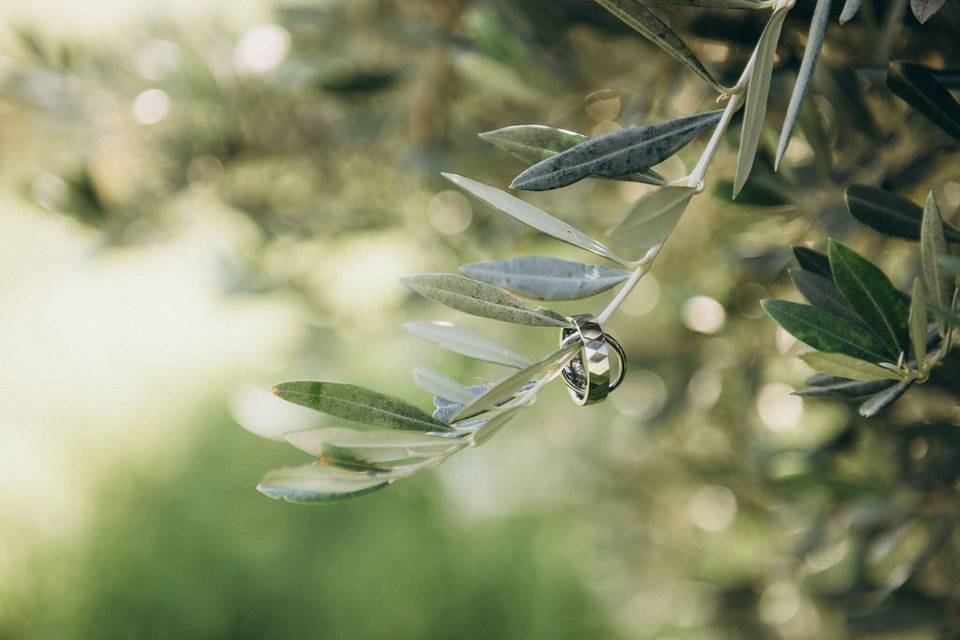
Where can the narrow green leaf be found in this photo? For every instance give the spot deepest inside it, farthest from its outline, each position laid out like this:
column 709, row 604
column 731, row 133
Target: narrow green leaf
column 918, row 323
column 850, row 9
column 358, row 404
column 872, row 296
column 507, row 388
column 435, row 383
column 533, row 217
column 756, row 5
column 758, row 90
column 651, row 219
column 884, row 399
column 847, row 389
column 616, row 153
column 318, row 483
column 373, row 445
column 818, row 30
column 532, row 143
column 480, row 299
column 825, row 332
column 813, row 261
column 466, row 343
column 918, row 88
column 939, row 282
column 924, row 9
column 821, row 292
column 636, row 14
column 839, row 364
column 544, row 278
column 347, row 459
column 888, row 212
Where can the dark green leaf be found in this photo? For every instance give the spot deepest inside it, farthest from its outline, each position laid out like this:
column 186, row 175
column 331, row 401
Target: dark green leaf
column 850, row 8
column 940, row 283
column 920, row 90
column 358, row 404
column 924, row 9
column 884, row 399
column 533, row 217
column 466, row 343
column 651, row 219
column 757, row 93
column 318, row 483
column 872, row 296
column 821, row 292
column 890, row 213
column 480, row 299
column 534, row 142
column 636, row 14
column 813, row 261
column 818, row 30
column 823, row 331
column 544, row 278
column 616, row 153
column 847, row 389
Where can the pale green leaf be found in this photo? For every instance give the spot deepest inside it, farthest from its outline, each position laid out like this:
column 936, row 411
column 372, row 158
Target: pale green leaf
column 918, row 323
column 374, row 445
column 533, row 217
column 924, row 9
column 839, row 364
column 466, row 343
column 435, row 383
column 651, row 219
column 545, row 278
column 318, row 483
column 758, row 91
column 850, row 9
column 939, row 281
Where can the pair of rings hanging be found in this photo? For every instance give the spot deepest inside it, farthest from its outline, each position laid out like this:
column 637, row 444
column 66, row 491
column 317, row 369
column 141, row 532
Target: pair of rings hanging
column 588, row 374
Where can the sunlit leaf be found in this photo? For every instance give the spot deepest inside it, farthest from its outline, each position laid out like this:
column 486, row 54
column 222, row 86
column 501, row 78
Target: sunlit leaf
column 533, row 217
column 924, row 9
column 535, row 142
column 373, row 445
column 437, row 384
column 818, row 30
column 825, row 332
column 872, row 296
column 844, row 366
column 545, row 278
column 758, row 91
column 920, row 90
column 823, row 293
column 850, row 9
column 884, row 399
column 651, row 219
column 918, row 323
column 466, row 343
column 639, row 16
column 616, row 153
column 813, row 261
column 507, row 388
column 480, row 299
column 847, row 389
column 940, row 283
column 358, row 404
column 318, row 483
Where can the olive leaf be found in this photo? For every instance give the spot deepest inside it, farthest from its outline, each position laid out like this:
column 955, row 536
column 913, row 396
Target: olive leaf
column 924, row 9
column 850, row 9
column 918, row 323
column 813, row 261
column 884, row 399
column 758, row 90
column 535, row 142
column 616, row 153
column 466, row 343
column 373, row 445
column 821, row 292
column 533, row 217
column 889, row 212
column 480, row 299
column 939, row 282
column 651, row 219
column 493, row 426
column 358, row 404
column 844, row 366
column 318, row 483
column 715, row 4
column 920, row 89
column 641, row 18
column 872, row 295
column 545, row 278
column 506, row 389
column 824, row 331
column 437, row 384
column 847, row 389
column 818, row 30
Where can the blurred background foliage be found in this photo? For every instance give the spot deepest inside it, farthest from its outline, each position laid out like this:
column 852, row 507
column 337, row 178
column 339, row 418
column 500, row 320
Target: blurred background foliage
column 201, row 198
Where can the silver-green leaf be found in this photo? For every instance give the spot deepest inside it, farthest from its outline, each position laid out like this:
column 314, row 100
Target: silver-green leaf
column 924, row 9
column 758, row 91
column 850, row 9
column 437, row 384
column 939, row 281
column 318, row 483
column 466, row 343
column 884, row 399
column 480, row 299
column 533, row 217
column 651, row 219
column 373, row 445
column 545, row 278
column 918, row 323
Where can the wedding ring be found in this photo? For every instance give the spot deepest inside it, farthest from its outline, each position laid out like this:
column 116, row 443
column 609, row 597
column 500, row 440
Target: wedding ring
column 588, row 374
